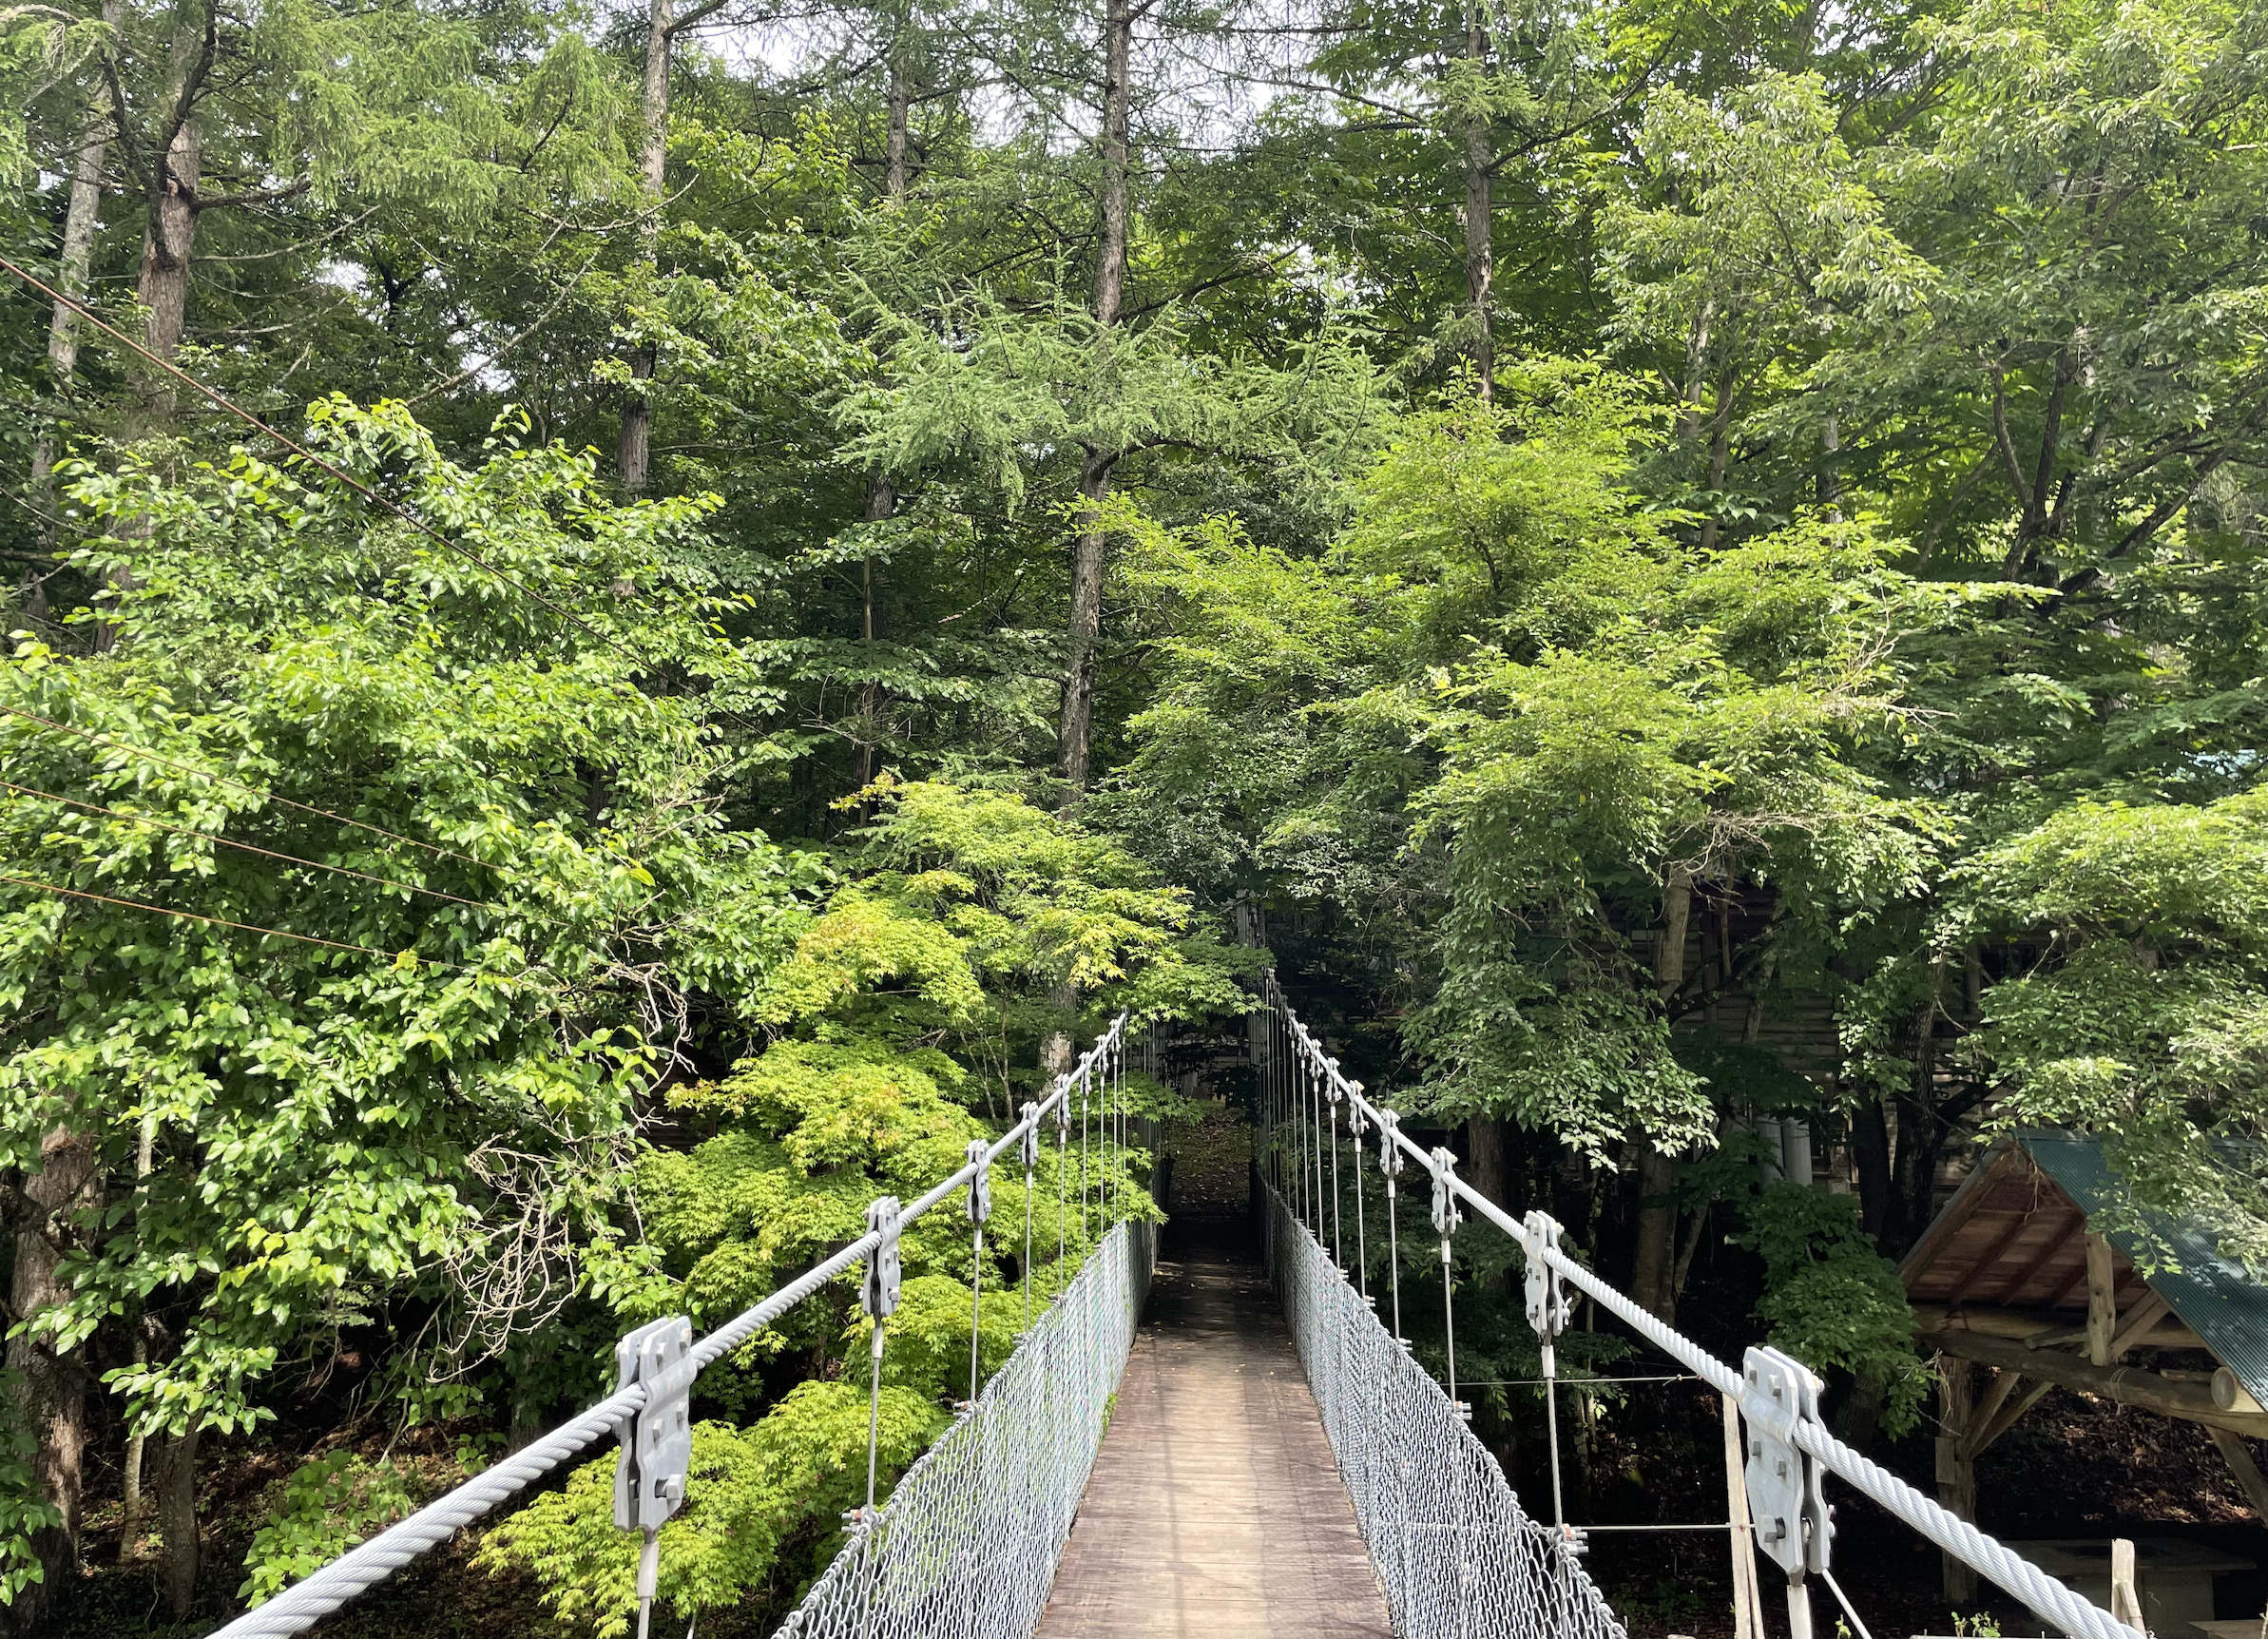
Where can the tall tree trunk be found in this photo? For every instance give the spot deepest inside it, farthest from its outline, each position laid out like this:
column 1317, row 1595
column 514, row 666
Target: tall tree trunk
column 50, row 1384
column 881, row 492
column 1919, row 1127
column 1881, row 1213
column 1074, row 740
column 1830, row 482
column 1480, row 249
column 72, row 265
column 1696, row 364
column 130, row 1529
column 181, row 1554
column 1720, row 436
column 1654, row 1259
column 169, row 239
column 168, row 242
column 635, row 457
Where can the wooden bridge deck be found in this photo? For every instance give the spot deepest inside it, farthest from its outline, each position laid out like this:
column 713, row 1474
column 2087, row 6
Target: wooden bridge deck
column 1215, row 1508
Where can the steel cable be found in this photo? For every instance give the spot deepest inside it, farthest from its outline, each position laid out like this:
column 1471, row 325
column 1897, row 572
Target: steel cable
column 327, row 1589
column 2044, row 1594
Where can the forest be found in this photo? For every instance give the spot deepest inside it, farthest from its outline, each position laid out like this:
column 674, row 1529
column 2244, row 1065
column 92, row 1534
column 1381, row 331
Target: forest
column 625, row 623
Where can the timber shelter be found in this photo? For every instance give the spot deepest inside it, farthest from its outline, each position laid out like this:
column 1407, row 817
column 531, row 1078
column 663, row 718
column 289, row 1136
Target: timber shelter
column 2018, row 1297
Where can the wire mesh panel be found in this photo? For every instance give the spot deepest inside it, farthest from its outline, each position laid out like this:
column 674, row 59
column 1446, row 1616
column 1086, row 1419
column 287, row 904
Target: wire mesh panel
column 1457, row 1555
column 967, row 1545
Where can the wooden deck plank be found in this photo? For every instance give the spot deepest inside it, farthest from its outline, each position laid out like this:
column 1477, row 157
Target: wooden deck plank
column 1215, row 1508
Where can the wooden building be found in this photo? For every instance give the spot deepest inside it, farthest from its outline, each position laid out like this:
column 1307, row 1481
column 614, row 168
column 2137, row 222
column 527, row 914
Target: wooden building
column 2017, row 1297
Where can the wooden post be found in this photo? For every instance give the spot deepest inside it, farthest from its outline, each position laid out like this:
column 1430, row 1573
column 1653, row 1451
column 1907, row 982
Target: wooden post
column 2239, row 1457
column 2125, row 1599
column 2101, row 1301
column 1748, row 1622
column 1956, row 1463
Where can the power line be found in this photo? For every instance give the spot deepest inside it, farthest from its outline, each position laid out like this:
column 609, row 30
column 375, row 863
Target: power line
column 224, row 923
column 191, row 768
column 356, row 485
column 252, row 847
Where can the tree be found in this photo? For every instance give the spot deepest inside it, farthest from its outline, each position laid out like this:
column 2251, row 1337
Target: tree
column 327, row 1025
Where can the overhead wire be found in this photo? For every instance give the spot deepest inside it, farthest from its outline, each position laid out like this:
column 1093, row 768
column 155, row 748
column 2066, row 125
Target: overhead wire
column 381, row 502
column 190, row 768
column 250, row 847
column 224, row 923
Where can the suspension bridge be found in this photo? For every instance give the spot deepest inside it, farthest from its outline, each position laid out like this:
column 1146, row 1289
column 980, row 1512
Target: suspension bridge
column 1207, row 1447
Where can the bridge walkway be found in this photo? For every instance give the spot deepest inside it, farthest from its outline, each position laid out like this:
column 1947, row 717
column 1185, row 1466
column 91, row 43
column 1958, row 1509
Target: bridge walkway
column 1215, row 1509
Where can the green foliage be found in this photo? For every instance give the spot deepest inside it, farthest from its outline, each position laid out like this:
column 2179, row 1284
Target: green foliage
column 325, row 1507
column 1831, row 1299
column 1835, row 523
column 442, row 1028
column 23, row 1510
column 2144, row 1021
column 753, row 1497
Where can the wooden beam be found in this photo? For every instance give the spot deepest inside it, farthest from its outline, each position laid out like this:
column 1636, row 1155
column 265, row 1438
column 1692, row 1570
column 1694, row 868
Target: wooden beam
column 1998, row 1160
column 1985, row 1260
column 1748, row 1598
column 2157, row 1328
column 2249, row 1479
column 2058, row 1238
column 2127, row 1385
column 2102, row 1298
column 2136, row 1322
column 2009, row 1417
column 2125, row 1599
column 1956, row 1464
column 1995, row 1396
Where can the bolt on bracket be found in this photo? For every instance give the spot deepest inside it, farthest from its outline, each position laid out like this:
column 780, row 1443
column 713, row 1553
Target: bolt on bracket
column 1549, row 1308
column 879, row 1290
column 980, row 1183
column 1447, row 1219
column 1787, row 1495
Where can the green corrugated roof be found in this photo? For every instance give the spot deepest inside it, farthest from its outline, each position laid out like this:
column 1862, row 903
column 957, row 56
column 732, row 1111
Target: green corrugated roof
column 2219, row 1300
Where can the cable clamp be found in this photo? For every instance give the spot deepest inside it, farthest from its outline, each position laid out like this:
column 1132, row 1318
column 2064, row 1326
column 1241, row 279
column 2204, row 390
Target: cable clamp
column 877, row 1292
column 1445, row 1217
column 649, row 1475
column 980, row 1182
column 1356, row 1125
column 1390, row 1150
column 1549, row 1308
column 657, row 1446
column 1787, row 1493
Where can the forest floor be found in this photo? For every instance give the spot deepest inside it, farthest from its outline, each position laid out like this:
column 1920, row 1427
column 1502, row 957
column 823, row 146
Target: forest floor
column 2076, row 1467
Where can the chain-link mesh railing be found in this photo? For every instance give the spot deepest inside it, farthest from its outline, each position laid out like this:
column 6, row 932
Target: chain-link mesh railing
column 1457, row 1554
column 967, row 1545
column 1085, row 1335
column 1400, row 1470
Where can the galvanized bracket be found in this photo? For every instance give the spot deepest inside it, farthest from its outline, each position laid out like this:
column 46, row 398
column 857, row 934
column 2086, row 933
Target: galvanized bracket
column 877, row 1292
column 1447, row 1219
column 980, row 1183
column 1787, row 1495
column 657, row 1447
column 1549, row 1308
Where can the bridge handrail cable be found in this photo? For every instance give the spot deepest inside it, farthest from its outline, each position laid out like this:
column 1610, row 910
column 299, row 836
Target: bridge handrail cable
column 2045, row 1595
column 305, row 1602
